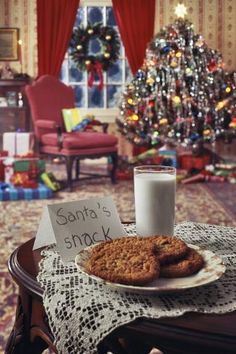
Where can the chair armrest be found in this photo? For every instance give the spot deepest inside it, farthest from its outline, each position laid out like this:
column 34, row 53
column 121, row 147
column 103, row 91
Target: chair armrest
column 46, row 124
column 51, row 124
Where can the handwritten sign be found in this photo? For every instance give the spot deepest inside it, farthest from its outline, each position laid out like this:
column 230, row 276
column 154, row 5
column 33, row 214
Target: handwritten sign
column 78, row 224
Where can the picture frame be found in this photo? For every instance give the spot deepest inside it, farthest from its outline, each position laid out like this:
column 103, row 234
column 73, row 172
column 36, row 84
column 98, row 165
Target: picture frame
column 9, row 46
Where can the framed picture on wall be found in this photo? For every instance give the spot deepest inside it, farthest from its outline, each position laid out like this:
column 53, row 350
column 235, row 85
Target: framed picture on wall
column 9, row 44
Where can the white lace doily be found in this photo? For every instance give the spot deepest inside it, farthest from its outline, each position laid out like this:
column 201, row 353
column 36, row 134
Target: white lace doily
column 82, row 312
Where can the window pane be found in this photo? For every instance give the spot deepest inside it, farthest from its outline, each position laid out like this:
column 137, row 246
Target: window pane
column 95, row 97
column 94, row 47
column 63, row 71
column 128, row 73
column 113, row 95
column 114, row 74
column 79, row 20
column 75, row 74
column 110, row 17
column 114, row 79
column 95, row 14
column 79, row 96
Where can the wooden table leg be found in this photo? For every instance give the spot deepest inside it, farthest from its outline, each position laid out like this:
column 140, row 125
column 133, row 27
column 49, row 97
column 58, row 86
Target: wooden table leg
column 19, row 340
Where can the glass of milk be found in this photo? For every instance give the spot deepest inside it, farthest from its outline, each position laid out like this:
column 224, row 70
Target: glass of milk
column 154, row 194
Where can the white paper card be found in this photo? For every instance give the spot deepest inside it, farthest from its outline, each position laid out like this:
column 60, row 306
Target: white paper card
column 78, row 224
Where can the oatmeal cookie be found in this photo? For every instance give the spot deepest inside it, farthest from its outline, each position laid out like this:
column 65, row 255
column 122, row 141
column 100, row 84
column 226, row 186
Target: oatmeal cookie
column 124, row 261
column 168, row 248
column 191, row 263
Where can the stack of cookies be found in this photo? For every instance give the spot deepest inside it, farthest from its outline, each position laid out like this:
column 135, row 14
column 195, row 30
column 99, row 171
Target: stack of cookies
column 139, row 260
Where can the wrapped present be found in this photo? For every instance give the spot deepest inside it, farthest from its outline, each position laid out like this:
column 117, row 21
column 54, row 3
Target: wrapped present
column 26, row 165
column 216, row 179
column 50, row 181
column 22, row 179
column 169, row 157
column 229, row 166
column 137, row 150
column 8, row 169
column 194, row 179
column 18, row 143
column 147, row 154
column 10, row 192
column 82, row 125
column 71, row 117
column 3, row 155
column 189, row 162
column 181, row 175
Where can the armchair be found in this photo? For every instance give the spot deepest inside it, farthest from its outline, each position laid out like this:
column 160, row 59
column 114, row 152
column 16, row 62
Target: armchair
column 47, row 96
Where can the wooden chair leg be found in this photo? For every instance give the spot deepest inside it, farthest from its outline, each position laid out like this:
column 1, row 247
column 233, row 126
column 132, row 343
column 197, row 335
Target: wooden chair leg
column 114, row 159
column 77, row 168
column 69, row 167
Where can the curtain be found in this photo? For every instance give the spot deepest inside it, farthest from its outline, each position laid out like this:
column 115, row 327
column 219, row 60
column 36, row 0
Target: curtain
column 55, row 20
column 135, row 20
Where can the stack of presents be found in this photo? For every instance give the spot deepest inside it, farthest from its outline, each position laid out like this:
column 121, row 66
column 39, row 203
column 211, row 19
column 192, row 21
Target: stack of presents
column 22, row 172
column 189, row 168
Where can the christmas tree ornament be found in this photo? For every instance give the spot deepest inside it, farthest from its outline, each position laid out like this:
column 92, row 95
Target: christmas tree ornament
column 181, row 10
column 90, row 31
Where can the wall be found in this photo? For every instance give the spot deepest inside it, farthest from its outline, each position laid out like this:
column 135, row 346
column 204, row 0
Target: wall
column 214, row 19
column 22, row 14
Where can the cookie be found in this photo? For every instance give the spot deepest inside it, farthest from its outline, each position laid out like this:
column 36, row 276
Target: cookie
column 168, row 248
column 191, row 263
column 124, row 261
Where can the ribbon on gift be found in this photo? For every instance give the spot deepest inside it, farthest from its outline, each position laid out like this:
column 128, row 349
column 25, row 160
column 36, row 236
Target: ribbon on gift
column 93, row 70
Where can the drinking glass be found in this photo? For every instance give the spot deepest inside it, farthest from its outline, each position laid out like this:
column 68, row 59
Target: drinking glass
column 154, row 193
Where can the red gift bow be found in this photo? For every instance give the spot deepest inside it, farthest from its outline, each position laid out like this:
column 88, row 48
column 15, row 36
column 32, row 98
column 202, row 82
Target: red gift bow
column 95, row 69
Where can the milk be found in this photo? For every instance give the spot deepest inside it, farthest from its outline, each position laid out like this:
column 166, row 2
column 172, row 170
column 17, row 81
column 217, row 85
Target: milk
column 154, row 203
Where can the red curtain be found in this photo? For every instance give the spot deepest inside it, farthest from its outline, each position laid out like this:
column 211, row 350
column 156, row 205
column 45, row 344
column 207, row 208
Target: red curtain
column 55, row 20
column 135, row 20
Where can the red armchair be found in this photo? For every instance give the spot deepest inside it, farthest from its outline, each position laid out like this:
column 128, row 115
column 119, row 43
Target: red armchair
column 47, row 97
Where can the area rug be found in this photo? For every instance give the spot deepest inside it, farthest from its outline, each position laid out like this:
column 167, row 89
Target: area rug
column 19, row 221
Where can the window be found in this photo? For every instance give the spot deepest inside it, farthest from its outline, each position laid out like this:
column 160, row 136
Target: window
column 91, row 98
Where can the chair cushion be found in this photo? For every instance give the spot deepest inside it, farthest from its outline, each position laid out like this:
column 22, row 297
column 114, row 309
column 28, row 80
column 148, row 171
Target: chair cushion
column 81, row 140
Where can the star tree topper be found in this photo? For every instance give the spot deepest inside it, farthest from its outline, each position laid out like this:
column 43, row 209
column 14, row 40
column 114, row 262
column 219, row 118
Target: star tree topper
column 181, row 10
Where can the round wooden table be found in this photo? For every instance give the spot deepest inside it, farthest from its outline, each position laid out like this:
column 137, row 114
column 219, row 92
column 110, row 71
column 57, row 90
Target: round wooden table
column 191, row 333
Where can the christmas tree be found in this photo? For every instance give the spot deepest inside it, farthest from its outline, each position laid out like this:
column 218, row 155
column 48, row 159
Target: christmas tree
column 181, row 94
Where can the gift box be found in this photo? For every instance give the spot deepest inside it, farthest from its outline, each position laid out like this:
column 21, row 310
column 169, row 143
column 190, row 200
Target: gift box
column 71, row 117
column 9, row 192
column 8, row 169
column 169, row 157
column 22, row 179
column 3, row 154
column 25, row 165
column 18, row 143
column 188, row 162
column 50, row 181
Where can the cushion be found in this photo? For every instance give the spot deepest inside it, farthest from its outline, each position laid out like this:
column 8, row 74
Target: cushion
column 71, row 117
column 81, row 140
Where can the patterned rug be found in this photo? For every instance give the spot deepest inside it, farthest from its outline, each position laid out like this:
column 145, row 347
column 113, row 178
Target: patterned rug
column 19, row 220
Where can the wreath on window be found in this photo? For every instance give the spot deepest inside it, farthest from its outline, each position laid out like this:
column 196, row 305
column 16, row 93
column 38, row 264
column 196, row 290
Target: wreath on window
column 109, row 42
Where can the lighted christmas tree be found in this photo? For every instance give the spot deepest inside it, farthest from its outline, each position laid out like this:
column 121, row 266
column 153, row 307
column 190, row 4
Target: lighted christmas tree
column 182, row 93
